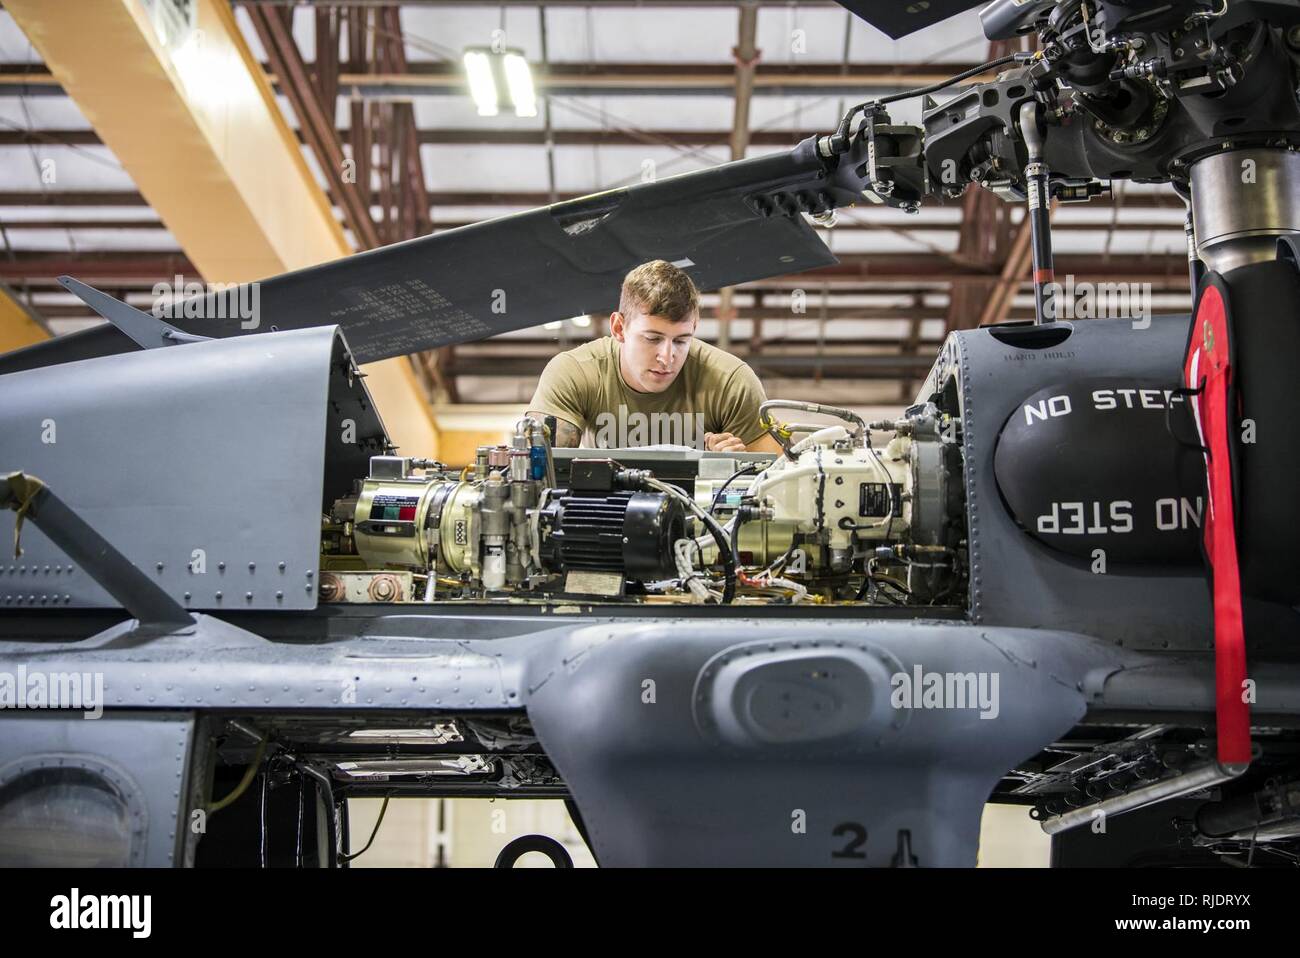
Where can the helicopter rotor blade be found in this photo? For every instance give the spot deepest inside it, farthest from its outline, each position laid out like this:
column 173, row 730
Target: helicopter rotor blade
column 732, row 223
column 897, row 19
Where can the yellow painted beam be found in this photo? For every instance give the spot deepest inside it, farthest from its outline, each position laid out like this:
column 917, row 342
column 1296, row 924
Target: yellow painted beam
column 196, row 125
column 18, row 327
column 462, row 428
column 198, row 129
column 400, row 400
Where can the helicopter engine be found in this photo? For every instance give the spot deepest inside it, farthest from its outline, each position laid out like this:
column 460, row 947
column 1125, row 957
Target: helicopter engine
column 832, row 519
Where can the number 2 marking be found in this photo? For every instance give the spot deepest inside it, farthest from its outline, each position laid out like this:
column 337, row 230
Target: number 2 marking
column 851, row 849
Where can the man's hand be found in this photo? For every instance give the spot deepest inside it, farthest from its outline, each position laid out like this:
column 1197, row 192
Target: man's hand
column 723, row 442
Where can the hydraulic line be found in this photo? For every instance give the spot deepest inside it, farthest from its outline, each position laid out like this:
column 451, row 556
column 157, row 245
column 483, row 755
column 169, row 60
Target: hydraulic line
column 1038, row 198
column 838, row 142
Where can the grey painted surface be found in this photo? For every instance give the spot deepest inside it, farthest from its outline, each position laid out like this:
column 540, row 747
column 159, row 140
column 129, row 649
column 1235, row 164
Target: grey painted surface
column 223, row 666
column 713, row 770
column 710, row 774
column 706, row 774
column 474, row 660
column 1017, row 581
column 217, row 446
column 146, row 757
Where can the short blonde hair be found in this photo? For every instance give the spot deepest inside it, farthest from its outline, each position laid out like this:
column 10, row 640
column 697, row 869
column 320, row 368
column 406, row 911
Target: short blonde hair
column 658, row 288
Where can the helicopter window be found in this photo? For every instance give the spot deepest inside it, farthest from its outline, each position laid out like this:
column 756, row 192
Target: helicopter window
column 67, row 817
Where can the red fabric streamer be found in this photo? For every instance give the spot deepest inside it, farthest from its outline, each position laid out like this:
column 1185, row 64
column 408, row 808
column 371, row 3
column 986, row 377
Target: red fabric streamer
column 1208, row 371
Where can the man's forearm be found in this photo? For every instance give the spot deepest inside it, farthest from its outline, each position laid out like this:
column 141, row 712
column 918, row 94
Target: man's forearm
column 564, row 434
column 764, row 443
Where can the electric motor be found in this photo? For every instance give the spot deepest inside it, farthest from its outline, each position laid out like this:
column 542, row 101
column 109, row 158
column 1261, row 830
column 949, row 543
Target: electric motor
column 627, row 532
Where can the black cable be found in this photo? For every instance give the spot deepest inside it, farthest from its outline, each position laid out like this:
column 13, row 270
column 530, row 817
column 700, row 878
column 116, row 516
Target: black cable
column 898, row 587
column 842, row 132
column 935, row 87
column 940, row 596
column 379, row 821
column 779, row 566
column 871, row 577
column 821, row 491
column 717, row 496
column 715, row 530
column 866, row 582
column 725, row 554
column 736, row 523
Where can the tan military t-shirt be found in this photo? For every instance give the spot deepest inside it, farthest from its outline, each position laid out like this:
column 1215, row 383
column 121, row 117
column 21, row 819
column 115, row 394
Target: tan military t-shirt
column 714, row 392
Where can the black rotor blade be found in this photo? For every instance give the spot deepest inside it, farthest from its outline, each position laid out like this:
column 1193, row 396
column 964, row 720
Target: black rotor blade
column 733, row 223
column 539, row 266
column 898, row 18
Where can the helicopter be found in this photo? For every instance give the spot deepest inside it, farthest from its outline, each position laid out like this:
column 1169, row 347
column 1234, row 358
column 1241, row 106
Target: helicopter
column 1059, row 579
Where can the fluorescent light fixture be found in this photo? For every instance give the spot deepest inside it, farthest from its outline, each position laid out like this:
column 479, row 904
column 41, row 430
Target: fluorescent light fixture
column 482, row 86
column 554, row 325
column 582, row 322
column 494, row 74
column 519, row 79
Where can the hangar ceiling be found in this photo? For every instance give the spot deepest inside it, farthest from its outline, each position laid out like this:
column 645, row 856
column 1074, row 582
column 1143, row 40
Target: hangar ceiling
column 627, row 91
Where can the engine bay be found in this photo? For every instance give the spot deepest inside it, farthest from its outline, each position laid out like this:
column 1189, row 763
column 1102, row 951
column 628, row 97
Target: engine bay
column 832, row 520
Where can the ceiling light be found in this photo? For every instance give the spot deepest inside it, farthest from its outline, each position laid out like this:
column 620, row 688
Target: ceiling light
column 519, row 80
column 582, row 322
column 495, row 74
column 482, row 87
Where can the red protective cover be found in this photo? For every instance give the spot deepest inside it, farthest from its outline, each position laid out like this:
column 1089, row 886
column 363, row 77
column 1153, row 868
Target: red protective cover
column 1208, row 372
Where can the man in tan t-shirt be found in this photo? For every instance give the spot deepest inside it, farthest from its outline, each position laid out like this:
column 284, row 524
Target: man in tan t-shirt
column 651, row 381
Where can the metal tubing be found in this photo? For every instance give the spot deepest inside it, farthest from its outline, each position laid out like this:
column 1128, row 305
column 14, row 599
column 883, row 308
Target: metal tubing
column 263, row 837
column 327, row 787
column 1039, row 200
column 1193, row 780
column 302, row 801
column 1195, row 268
column 1242, row 201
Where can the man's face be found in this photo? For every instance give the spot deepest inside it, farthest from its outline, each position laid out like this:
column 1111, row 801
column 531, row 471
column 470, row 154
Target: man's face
column 654, row 348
